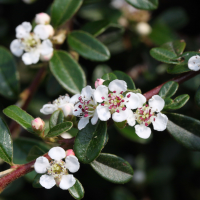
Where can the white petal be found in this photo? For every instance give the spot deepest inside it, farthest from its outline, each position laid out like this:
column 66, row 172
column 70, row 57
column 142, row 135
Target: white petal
column 42, row 18
column 47, row 181
column 94, row 118
column 27, row 26
column 87, row 92
column 118, row 86
column 46, row 58
column 16, row 47
column 41, row 164
column 83, row 122
column 57, row 153
column 194, row 63
column 67, row 109
column 103, row 112
column 66, row 135
column 67, row 182
column 142, row 131
column 74, row 98
column 121, row 116
column 133, row 101
column 23, row 30
column 46, row 47
column 131, row 118
column 72, row 163
column 157, row 103
column 101, row 93
column 41, row 31
column 77, row 111
column 142, row 99
column 160, row 123
column 48, row 109
column 31, row 57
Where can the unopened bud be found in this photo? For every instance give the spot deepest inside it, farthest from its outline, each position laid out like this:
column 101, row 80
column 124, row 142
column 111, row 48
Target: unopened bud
column 70, row 152
column 68, row 109
column 50, row 30
column 38, row 125
column 46, row 58
column 42, row 18
column 99, row 82
column 59, row 37
column 143, row 28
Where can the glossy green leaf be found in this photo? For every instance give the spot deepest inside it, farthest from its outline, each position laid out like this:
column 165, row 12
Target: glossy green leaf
column 77, row 190
column 168, row 89
column 122, row 76
column 90, row 141
column 59, row 128
column 186, row 130
column 197, row 97
column 56, row 118
column 88, row 46
column 6, row 146
column 168, row 101
column 63, row 10
column 178, row 69
column 106, row 82
column 113, row 168
column 34, row 153
column 9, row 78
column 67, row 72
column 109, row 76
column 20, row 116
column 36, row 183
column 144, row 4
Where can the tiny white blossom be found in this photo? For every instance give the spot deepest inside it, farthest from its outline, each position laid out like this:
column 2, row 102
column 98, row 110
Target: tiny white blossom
column 63, row 102
column 143, row 28
column 42, row 18
column 57, row 170
column 194, row 63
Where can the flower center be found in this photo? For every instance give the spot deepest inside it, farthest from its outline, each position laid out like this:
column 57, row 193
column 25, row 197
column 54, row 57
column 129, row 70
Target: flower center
column 61, row 100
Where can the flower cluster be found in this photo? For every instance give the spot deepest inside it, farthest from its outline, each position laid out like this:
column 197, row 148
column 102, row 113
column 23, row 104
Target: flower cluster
column 34, row 46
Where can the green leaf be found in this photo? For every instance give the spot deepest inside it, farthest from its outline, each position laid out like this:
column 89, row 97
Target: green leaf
column 178, row 69
column 67, row 72
column 9, row 78
column 90, row 141
column 34, row 153
column 6, row 146
column 197, row 97
column 122, row 76
column 56, row 118
column 20, row 116
column 186, row 130
column 60, row 128
column 144, row 4
column 77, row 190
column 109, row 76
column 178, row 102
column 168, row 89
column 106, row 82
column 134, row 91
column 113, row 168
column 88, row 46
column 63, row 10
column 121, row 125
column 168, row 101
column 36, row 181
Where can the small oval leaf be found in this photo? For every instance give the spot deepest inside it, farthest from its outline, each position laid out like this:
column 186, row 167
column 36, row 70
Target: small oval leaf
column 168, row 89
column 34, row 153
column 144, row 4
column 56, row 118
column 109, row 76
column 77, row 190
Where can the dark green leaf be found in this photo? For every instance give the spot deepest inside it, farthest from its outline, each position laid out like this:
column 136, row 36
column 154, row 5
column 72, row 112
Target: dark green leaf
column 63, row 10
column 144, row 4
column 90, row 141
column 60, row 128
column 34, row 153
column 178, row 69
column 9, row 78
column 109, row 76
column 106, row 83
column 6, row 146
column 88, row 46
column 36, row 183
column 68, row 72
column 56, row 118
column 186, row 130
column 113, row 168
column 168, row 89
column 197, row 97
column 77, row 190
column 168, row 101
column 20, row 116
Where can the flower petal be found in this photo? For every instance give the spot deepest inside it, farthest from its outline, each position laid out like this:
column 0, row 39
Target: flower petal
column 23, row 30
column 142, row 131
column 41, row 164
column 83, row 122
column 121, row 116
column 57, row 153
column 160, row 123
column 48, row 109
column 132, row 100
column 67, row 182
column 41, row 31
column 142, row 99
column 131, row 118
column 16, row 47
column 46, row 47
column 103, row 112
column 66, row 135
column 87, row 92
column 72, row 163
column 67, row 109
column 157, row 103
column 47, row 181
column 74, row 98
column 101, row 93
column 95, row 118
column 194, row 63
column 118, row 86
column 77, row 111
column 31, row 57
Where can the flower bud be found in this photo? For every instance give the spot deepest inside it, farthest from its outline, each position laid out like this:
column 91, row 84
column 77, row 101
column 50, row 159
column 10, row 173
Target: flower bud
column 70, row 152
column 38, row 125
column 42, row 18
column 99, row 82
column 46, row 58
column 50, row 30
column 68, row 109
column 143, row 28
column 66, row 135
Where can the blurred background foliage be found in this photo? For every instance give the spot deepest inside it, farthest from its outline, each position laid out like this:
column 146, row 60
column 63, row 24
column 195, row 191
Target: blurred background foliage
column 163, row 168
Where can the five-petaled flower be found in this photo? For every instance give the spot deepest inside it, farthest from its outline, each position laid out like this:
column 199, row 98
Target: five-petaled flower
column 194, row 63
column 57, row 170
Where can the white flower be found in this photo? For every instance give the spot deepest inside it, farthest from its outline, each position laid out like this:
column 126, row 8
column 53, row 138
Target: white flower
column 63, row 102
column 85, row 107
column 31, row 43
column 112, row 102
column 143, row 28
column 57, row 170
column 148, row 114
column 42, row 18
column 99, row 82
column 194, row 63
